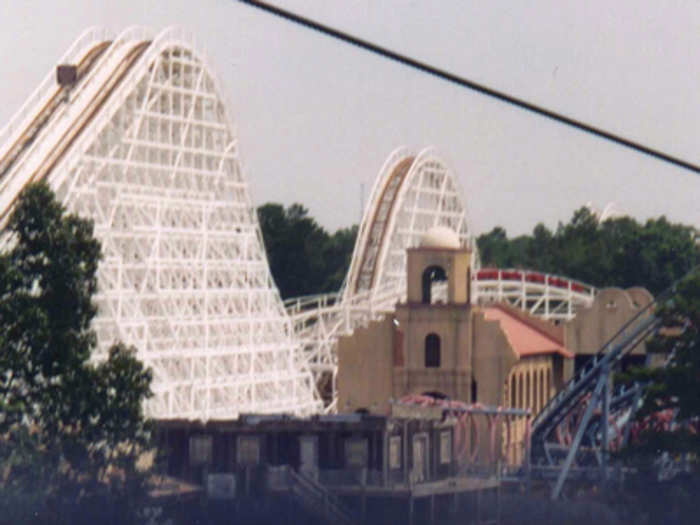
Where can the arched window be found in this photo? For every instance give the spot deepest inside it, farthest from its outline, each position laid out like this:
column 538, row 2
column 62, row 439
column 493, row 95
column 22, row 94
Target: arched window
column 431, row 276
column 432, row 351
column 527, row 391
column 521, row 396
column 543, row 395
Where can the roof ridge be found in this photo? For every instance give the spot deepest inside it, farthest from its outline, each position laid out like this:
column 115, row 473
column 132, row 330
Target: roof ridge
column 506, row 316
column 528, row 320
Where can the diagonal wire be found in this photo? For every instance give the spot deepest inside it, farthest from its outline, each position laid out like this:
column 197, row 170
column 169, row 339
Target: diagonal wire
column 474, row 86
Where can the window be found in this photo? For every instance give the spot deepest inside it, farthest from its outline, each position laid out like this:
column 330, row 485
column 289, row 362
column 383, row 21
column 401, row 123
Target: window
column 432, row 351
column 200, row 450
column 421, row 460
column 248, row 450
column 521, row 397
column 445, row 447
column 395, row 452
column 308, row 452
column 356, row 453
column 221, row 486
column 527, row 405
column 543, row 396
column 431, row 276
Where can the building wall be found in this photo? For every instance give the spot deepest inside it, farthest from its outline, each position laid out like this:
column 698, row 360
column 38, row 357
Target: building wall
column 365, row 366
column 529, row 385
column 492, row 361
column 612, row 308
column 383, row 361
column 335, row 450
column 451, row 324
column 387, row 359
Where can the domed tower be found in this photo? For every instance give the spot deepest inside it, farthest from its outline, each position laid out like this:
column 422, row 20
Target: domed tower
column 433, row 329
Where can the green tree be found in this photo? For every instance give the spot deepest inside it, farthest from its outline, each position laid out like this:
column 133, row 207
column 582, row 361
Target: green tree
column 494, row 248
column 671, row 394
column 338, row 254
column 673, row 388
column 294, row 243
column 619, row 252
column 665, row 252
column 70, row 430
column 540, row 252
column 303, row 258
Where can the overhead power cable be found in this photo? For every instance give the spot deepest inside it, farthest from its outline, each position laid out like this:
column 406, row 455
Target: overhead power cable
column 469, row 84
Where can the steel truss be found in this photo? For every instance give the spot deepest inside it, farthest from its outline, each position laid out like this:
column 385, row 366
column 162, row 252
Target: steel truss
column 142, row 144
column 579, row 426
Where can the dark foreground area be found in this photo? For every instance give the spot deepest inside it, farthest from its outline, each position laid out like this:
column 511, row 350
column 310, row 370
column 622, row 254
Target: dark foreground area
column 639, row 502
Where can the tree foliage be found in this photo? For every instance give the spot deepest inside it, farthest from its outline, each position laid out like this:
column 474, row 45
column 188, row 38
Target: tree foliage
column 304, row 258
column 70, row 430
column 665, row 444
column 618, row 252
column 672, row 393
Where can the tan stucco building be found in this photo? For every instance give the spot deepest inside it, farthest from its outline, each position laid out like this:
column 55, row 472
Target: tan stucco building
column 594, row 326
column 438, row 343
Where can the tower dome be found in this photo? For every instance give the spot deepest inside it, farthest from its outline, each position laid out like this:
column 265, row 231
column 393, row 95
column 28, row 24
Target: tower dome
column 440, row 237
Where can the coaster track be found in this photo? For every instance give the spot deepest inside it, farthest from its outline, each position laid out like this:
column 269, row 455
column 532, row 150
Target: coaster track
column 413, row 192
column 141, row 143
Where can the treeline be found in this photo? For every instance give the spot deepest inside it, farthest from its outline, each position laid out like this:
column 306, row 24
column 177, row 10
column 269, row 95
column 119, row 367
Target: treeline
column 305, row 259
column 618, row 252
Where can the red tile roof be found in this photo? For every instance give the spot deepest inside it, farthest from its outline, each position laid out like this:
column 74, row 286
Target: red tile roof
column 525, row 338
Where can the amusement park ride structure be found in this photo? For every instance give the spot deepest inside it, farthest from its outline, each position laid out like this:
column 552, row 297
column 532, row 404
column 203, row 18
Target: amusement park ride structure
column 413, row 193
column 141, row 142
column 139, row 139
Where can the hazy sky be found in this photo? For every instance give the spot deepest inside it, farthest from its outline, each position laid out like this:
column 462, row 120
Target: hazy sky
column 317, row 118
